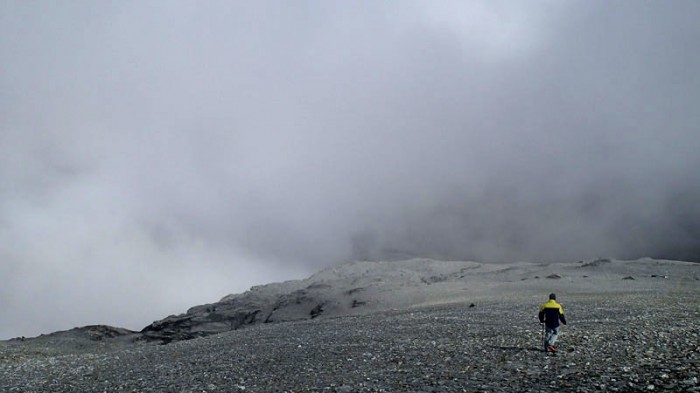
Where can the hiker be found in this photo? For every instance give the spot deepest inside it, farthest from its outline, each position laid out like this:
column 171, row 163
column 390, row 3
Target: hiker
column 550, row 314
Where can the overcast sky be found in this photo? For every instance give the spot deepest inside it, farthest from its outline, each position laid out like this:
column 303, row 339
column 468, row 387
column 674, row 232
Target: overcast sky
column 159, row 155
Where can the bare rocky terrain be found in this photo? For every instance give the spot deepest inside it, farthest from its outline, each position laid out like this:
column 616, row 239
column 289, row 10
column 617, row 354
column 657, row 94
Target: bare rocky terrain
column 417, row 326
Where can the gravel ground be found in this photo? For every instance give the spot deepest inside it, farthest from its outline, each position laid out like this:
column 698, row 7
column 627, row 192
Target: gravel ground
column 623, row 342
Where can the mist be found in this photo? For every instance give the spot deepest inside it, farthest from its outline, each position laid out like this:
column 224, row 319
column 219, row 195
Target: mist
column 158, row 155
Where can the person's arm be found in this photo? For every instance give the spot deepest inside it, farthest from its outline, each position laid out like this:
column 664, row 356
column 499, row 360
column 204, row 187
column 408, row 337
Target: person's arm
column 561, row 315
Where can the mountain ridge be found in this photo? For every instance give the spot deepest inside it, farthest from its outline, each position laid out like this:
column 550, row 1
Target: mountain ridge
column 363, row 287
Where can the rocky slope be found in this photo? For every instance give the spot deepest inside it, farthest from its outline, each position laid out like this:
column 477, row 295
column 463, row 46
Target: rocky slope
column 417, row 325
column 363, row 287
column 644, row 341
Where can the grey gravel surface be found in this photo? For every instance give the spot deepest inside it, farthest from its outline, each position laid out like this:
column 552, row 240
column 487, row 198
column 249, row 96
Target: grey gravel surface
column 623, row 342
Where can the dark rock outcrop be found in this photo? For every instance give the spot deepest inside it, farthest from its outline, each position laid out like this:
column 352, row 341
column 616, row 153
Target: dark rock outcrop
column 205, row 320
column 264, row 304
column 597, row 262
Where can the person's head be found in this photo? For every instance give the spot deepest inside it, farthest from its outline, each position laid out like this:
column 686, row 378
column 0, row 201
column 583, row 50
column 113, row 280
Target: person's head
column 552, row 296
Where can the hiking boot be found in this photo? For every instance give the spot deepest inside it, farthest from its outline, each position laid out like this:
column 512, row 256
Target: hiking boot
column 551, row 348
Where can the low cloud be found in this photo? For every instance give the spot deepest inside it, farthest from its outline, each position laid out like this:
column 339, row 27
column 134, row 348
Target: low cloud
column 155, row 156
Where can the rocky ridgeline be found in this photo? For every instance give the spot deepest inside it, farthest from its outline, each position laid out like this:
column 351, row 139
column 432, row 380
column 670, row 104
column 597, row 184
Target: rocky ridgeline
column 365, row 287
column 353, row 288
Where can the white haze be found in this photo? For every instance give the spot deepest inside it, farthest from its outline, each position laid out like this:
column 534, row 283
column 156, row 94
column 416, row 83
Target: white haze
column 158, row 155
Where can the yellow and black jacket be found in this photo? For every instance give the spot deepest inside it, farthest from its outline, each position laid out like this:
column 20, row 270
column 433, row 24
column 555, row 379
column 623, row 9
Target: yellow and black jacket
column 551, row 313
